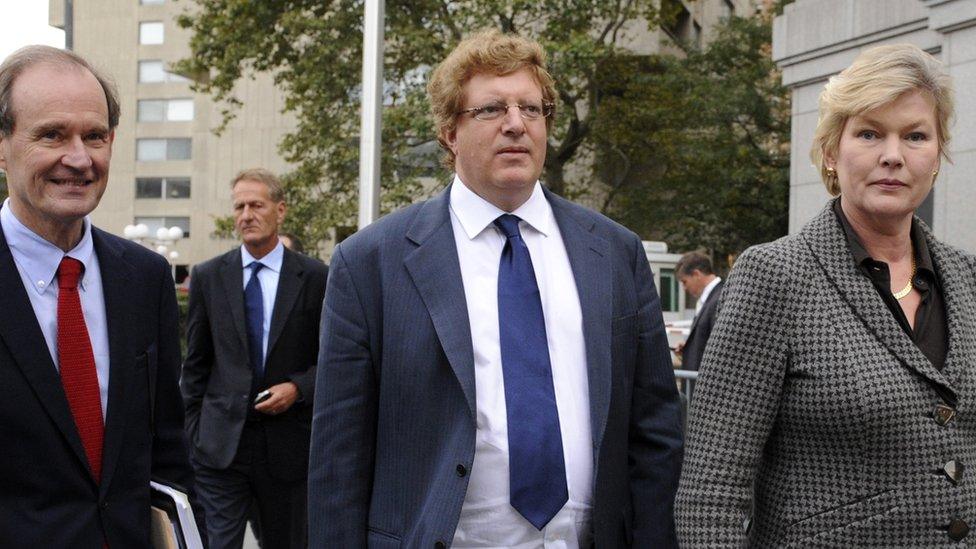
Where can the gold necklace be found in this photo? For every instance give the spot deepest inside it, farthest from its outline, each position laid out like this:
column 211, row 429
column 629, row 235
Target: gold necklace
column 908, row 287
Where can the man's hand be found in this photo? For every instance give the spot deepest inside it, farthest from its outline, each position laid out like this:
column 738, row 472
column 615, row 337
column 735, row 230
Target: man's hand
column 679, row 348
column 283, row 395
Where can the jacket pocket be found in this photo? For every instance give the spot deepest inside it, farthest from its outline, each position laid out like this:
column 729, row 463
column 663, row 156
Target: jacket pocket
column 381, row 540
column 843, row 521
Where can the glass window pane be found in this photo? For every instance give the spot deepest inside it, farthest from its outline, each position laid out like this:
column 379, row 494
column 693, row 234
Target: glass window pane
column 152, row 222
column 150, row 2
column 179, row 110
column 669, row 301
column 150, row 149
column 151, row 71
column 173, row 77
column 178, row 149
column 178, row 187
column 181, row 222
column 151, row 32
column 149, row 187
column 151, row 110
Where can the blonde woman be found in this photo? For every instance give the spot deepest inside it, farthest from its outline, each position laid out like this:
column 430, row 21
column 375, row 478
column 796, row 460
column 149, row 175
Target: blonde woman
column 834, row 404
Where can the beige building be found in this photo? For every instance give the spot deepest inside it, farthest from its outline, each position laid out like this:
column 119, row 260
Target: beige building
column 169, row 169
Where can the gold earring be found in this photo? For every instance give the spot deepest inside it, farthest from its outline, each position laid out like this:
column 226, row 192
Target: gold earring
column 831, row 172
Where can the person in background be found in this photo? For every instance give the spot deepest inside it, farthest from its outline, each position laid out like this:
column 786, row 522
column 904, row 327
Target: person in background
column 834, row 407
column 494, row 370
column 89, row 348
column 694, row 271
column 249, row 375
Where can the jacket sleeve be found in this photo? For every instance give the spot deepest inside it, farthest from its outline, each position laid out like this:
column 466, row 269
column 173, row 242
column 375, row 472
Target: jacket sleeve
column 304, row 378
column 199, row 354
column 170, row 449
column 655, row 445
column 340, row 476
column 735, row 402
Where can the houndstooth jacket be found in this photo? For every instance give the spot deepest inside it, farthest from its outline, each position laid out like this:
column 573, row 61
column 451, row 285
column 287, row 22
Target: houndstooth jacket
column 817, row 422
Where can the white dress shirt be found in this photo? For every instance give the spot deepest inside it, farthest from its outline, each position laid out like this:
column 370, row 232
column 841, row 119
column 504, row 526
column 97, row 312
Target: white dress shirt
column 268, row 277
column 487, row 517
column 37, row 262
column 705, row 293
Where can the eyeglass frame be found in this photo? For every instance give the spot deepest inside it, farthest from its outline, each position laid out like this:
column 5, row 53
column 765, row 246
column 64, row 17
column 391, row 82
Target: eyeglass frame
column 547, row 110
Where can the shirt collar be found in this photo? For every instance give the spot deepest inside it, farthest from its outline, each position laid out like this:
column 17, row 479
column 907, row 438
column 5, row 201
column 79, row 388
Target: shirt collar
column 271, row 261
column 923, row 259
column 475, row 213
column 39, row 258
column 708, row 289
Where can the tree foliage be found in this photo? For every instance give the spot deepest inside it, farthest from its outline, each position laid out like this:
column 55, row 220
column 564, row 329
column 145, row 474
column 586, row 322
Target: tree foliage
column 3, row 186
column 647, row 139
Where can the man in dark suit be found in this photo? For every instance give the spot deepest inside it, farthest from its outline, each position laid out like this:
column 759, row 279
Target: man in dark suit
column 249, row 375
column 89, row 350
column 493, row 369
column 695, row 272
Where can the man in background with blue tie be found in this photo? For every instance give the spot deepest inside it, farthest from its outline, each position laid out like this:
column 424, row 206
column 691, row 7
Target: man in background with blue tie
column 493, row 369
column 249, row 375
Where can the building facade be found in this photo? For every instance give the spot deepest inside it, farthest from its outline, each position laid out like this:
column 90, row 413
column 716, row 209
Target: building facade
column 815, row 39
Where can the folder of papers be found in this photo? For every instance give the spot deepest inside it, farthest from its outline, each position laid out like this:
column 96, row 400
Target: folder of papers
column 173, row 524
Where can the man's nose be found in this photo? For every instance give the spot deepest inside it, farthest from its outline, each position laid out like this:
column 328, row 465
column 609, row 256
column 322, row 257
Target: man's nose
column 76, row 155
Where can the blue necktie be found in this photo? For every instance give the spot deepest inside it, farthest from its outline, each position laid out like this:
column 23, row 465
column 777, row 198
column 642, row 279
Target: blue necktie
column 254, row 318
column 537, row 472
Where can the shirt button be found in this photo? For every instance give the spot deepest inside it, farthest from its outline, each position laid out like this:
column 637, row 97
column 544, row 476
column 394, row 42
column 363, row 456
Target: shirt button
column 944, row 414
column 954, row 471
column 958, row 529
column 41, row 284
column 461, row 470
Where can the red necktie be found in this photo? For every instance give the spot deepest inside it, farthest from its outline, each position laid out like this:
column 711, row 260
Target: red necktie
column 77, row 362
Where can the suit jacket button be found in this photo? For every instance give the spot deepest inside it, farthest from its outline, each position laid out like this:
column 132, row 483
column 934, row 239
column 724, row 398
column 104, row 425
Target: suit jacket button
column 440, row 545
column 944, row 414
column 958, row 529
column 954, row 471
column 461, row 470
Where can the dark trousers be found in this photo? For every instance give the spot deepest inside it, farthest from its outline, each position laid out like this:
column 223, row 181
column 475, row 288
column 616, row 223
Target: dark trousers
column 228, row 494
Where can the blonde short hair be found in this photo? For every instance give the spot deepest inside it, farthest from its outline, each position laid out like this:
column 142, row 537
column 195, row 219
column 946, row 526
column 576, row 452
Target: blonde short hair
column 877, row 77
column 275, row 190
column 487, row 52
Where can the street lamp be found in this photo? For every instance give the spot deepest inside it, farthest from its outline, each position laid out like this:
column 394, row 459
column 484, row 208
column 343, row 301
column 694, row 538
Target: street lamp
column 161, row 243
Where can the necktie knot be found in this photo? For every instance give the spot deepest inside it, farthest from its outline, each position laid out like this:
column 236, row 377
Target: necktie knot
column 508, row 224
column 256, row 267
column 69, row 271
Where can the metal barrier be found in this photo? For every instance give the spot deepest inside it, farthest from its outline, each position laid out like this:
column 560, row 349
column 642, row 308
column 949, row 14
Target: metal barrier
column 687, row 378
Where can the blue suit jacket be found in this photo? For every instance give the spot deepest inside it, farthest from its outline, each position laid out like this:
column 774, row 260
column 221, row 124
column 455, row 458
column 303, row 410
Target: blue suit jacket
column 394, row 417
column 48, row 497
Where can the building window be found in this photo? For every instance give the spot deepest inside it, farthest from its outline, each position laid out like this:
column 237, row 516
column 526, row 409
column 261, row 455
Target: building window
column 151, row 2
column 150, row 150
column 165, row 110
column 729, row 8
column 153, row 71
column 151, row 33
column 163, row 187
column 669, row 291
column 155, row 223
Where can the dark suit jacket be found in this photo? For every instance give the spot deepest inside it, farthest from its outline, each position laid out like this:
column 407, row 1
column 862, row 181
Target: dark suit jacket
column 216, row 380
column 816, row 408
column 701, row 328
column 394, row 426
column 48, row 497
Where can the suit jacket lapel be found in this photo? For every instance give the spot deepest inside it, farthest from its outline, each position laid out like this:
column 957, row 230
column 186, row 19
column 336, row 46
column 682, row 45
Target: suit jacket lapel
column 25, row 341
column 232, row 278
column 589, row 259
column 434, row 268
column 290, row 282
column 118, row 285
column 825, row 238
column 957, row 293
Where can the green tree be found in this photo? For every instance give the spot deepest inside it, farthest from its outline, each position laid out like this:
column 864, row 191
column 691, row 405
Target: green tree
column 314, row 50
column 708, row 166
column 693, row 151
column 3, row 186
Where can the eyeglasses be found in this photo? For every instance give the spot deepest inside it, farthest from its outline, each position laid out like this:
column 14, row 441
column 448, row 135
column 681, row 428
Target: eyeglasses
column 494, row 111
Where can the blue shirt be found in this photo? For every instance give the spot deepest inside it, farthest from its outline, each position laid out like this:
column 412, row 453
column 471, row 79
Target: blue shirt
column 37, row 262
column 268, row 277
